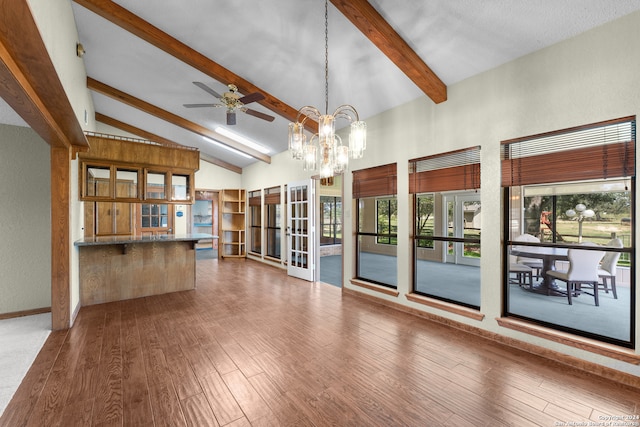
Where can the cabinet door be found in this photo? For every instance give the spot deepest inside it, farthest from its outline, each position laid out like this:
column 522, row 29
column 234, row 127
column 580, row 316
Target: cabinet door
column 104, row 218
column 123, row 218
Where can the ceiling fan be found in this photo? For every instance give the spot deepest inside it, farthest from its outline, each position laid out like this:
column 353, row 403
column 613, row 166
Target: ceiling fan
column 233, row 102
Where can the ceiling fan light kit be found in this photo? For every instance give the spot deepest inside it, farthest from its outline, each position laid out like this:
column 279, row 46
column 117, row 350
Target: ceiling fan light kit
column 233, row 102
column 325, row 148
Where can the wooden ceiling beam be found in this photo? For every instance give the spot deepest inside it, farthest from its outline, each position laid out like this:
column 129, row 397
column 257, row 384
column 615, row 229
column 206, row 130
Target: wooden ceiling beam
column 29, row 82
column 367, row 19
column 130, row 22
column 174, row 119
column 161, row 140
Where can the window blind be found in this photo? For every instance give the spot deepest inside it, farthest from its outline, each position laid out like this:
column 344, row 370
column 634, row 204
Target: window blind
column 597, row 151
column 454, row 170
column 272, row 196
column 254, row 198
column 376, row 181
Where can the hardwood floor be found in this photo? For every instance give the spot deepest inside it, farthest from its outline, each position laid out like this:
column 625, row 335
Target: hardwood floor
column 252, row 347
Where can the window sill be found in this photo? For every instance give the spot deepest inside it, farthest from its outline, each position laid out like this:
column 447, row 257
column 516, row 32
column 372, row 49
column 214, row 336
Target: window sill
column 446, row 306
column 593, row 346
column 374, row 287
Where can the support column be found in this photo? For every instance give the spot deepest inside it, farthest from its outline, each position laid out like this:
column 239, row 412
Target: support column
column 60, row 237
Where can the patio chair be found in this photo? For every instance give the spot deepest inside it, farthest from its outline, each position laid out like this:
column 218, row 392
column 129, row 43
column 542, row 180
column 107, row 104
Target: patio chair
column 582, row 274
column 609, row 266
column 523, row 273
column 534, row 263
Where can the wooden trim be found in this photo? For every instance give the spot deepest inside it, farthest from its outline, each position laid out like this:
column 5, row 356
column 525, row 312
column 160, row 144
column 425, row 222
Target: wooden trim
column 446, row 306
column 375, row 181
column 593, row 346
column 30, row 83
column 215, row 161
column 135, row 130
column 134, row 24
column 60, row 238
column 367, row 19
column 169, row 117
column 161, row 140
column 23, row 313
column 374, row 287
column 552, row 356
column 116, row 150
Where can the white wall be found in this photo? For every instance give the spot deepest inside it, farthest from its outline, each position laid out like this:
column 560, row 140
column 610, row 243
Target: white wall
column 590, row 78
column 57, row 26
column 212, row 177
column 25, row 220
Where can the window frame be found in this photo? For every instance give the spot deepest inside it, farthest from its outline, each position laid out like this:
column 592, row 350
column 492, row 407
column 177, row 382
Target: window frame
column 517, row 175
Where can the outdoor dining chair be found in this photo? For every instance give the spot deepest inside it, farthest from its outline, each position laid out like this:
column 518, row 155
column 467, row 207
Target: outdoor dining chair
column 609, row 266
column 582, row 274
column 534, row 263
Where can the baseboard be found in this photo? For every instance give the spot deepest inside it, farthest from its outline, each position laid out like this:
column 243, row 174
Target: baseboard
column 25, row 313
column 552, row 356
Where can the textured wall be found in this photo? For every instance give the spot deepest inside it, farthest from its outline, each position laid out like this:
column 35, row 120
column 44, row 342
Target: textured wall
column 25, row 224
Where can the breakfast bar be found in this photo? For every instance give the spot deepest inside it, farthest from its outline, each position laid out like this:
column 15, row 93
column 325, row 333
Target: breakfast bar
column 115, row 268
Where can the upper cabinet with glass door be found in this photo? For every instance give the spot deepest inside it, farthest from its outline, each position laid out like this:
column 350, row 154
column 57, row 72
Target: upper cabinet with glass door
column 110, row 182
column 129, row 170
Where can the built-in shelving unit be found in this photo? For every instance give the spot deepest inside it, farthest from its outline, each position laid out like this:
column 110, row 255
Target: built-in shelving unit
column 232, row 224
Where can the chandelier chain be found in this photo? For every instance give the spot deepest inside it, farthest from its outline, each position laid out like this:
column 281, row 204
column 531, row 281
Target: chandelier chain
column 326, row 146
column 326, row 56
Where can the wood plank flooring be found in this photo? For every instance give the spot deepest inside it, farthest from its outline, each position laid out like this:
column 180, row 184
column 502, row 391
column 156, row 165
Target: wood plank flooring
column 252, row 347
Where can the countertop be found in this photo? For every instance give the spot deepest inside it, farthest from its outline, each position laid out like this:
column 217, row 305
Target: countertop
column 123, row 240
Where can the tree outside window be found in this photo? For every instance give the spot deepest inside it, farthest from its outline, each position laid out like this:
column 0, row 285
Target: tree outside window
column 387, row 224
column 424, row 220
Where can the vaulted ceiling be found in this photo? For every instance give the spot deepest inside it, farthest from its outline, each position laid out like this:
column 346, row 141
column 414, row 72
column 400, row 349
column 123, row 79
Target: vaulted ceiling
column 142, row 57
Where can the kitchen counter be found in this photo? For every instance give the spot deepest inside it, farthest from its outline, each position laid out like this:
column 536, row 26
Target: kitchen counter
column 116, row 268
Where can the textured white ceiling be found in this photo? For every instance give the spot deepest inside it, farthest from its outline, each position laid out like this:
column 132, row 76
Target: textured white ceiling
column 278, row 45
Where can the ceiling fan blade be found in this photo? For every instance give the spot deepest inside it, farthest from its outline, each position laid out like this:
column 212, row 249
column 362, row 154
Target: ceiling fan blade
column 231, row 118
column 200, row 105
column 252, row 97
column 207, row 89
column 259, row 115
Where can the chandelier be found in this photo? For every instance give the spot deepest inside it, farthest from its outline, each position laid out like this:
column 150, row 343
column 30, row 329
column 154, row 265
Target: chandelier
column 325, row 150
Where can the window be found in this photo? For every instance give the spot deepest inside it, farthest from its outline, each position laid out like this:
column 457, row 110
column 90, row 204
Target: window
column 387, row 221
column 330, row 220
column 375, row 262
column 154, row 216
column 447, row 226
column 273, row 221
column 425, row 220
column 255, row 221
column 565, row 189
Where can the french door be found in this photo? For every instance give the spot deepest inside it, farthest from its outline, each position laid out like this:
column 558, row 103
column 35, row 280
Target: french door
column 301, row 230
column 463, row 215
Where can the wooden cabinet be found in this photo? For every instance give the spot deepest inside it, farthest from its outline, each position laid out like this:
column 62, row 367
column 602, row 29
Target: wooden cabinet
column 110, row 218
column 232, row 224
